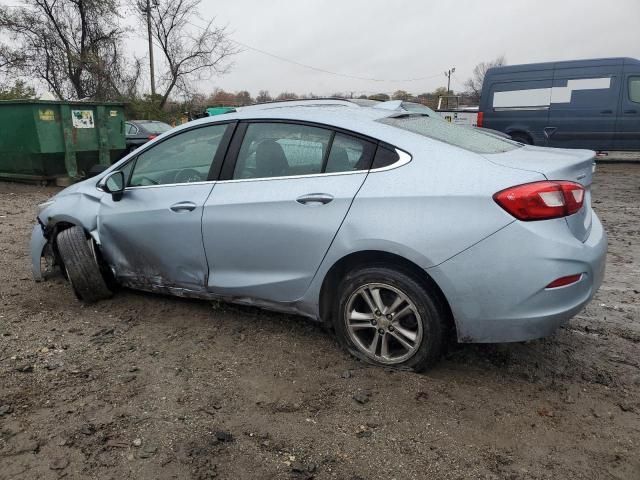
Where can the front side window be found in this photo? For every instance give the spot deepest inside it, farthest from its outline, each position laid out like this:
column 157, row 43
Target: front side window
column 281, row 149
column 634, row 89
column 182, row 158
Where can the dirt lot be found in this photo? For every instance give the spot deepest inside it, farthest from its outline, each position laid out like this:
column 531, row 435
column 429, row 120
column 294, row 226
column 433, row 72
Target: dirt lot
column 144, row 386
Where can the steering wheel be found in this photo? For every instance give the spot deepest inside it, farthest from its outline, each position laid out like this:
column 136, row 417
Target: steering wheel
column 147, row 181
column 187, row 175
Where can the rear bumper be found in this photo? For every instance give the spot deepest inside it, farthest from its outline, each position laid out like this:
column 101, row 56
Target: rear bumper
column 496, row 289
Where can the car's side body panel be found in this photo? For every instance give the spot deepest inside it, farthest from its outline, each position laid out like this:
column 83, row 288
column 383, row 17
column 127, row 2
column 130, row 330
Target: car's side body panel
column 262, row 242
column 417, row 212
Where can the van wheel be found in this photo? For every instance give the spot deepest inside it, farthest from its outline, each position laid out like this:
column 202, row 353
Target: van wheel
column 521, row 138
column 80, row 262
column 387, row 318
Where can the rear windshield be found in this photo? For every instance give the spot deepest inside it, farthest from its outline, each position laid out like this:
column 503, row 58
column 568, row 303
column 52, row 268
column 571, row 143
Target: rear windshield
column 155, row 127
column 467, row 138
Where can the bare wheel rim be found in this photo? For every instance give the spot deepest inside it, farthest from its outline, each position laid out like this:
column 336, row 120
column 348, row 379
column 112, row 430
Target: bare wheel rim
column 383, row 323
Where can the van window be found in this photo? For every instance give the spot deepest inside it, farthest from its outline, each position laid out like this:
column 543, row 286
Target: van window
column 463, row 137
column 634, row 89
column 585, row 93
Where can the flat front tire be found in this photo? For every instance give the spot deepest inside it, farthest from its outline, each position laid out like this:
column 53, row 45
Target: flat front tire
column 80, row 262
column 387, row 317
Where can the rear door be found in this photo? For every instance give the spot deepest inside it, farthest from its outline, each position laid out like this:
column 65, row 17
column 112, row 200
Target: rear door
column 584, row 105
column 284, row 192
column 628, row 127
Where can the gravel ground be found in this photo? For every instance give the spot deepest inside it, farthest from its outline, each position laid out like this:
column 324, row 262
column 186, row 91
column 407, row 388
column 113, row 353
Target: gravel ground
column 149, row 387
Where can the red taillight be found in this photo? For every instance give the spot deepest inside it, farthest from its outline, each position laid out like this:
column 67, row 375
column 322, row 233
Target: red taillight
column 564, row 281
column 480, row 119
column 151, row 137
column 542, row 200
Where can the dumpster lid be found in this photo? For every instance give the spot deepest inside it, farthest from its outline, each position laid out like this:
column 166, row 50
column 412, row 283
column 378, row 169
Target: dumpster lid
column 62, row 102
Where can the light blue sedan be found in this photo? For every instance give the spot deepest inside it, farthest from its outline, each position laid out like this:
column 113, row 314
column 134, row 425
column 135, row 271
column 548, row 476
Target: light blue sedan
column 395, row 228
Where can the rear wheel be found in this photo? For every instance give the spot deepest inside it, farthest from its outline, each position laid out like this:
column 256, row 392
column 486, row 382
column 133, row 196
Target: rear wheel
column 521, row 138
column 80, row 261
column 386, row 317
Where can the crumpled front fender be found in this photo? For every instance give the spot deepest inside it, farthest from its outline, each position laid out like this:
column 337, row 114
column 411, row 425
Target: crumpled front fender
column 38, row 242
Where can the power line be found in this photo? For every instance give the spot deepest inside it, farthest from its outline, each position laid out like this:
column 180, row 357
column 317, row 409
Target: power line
column 329, row 72
column 318, row 69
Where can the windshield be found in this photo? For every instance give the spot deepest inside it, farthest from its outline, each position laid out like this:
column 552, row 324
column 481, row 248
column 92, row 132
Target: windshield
column 155, row 127
column 447, row 132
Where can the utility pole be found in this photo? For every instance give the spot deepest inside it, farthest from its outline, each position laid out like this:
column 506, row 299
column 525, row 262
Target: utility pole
column 151, row 69
column 448, row 75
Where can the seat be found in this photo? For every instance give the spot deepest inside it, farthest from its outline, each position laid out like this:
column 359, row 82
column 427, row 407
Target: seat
column 339, row 161
column 271, row 160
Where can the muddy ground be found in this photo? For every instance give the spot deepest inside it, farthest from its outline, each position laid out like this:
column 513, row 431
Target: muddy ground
column 150, row 387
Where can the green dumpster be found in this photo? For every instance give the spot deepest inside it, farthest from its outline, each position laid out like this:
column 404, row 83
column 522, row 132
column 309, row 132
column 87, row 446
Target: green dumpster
column 212, row 111
column 43, row 140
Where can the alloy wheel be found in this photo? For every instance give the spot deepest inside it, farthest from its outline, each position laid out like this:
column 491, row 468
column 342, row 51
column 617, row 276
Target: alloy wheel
column 383, row 323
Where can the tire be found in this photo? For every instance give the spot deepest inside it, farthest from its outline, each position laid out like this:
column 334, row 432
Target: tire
column 81, row 265
column 358, row 326
column 521, row 138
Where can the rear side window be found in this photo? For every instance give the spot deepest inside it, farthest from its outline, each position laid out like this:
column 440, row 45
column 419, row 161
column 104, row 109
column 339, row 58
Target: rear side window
column 463, row 137
column 281, row 149
column 634, row 89
column 287, row 149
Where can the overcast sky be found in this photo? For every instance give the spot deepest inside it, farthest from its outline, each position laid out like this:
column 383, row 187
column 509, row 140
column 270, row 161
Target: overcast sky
column 394, row 40
column 407, row 39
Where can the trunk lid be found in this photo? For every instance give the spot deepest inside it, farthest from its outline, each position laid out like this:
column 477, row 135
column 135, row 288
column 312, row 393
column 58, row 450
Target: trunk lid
column 557, row 164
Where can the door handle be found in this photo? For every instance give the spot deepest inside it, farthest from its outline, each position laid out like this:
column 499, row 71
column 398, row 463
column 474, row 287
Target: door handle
column 183, row 207
column 606, row 112
column 630, row 111
column 312, row 198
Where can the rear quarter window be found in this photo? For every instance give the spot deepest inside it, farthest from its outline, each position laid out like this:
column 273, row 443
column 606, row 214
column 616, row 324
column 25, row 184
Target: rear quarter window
column 468, row 138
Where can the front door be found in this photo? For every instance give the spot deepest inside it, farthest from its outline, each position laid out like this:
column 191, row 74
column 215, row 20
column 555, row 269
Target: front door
column 267, row 228
column 152, row 236
column 628, row 127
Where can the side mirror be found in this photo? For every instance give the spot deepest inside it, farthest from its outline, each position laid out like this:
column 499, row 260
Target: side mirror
column 114, row 184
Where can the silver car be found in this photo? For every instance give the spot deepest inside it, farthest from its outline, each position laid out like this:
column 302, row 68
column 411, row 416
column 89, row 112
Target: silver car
column 395, row 228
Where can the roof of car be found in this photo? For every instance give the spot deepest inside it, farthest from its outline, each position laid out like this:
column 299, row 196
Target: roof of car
column 331, row 114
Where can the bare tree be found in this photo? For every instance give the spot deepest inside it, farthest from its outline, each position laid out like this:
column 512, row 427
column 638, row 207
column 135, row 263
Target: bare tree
column 263, row 96
column 401, row 95
column 383, row 97
column 474, row 84
column 243, row 98
column 186, row 56
column 287, row 96
column 73, row 46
